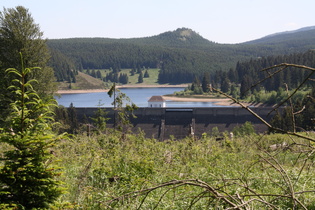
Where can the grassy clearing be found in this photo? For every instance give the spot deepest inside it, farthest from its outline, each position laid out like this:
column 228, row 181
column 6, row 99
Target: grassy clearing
column 243, row 169
column 152, row 80
column 84, row 81
column 133, row 80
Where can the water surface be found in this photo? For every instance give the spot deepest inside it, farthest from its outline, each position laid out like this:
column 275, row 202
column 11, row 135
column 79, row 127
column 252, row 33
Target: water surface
column 139, row 96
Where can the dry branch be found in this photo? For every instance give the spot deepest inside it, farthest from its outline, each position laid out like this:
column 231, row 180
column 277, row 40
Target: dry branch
column 261, row 119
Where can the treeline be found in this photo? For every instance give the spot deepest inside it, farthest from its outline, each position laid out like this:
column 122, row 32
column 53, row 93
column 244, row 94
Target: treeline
column 64, row 68
column 178, row 65
column 248, row 73
column 248, row 80
column 181, row 54
column 302, row 112
column 116, row 75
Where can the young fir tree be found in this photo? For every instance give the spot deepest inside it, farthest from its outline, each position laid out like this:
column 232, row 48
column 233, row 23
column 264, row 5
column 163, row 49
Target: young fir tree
column 26, row 177
column 140, row 78
column 146, row 74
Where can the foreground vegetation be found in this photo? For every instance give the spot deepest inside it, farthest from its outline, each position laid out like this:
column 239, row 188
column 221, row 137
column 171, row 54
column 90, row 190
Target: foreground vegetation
column 112, row 169
column 125, row 172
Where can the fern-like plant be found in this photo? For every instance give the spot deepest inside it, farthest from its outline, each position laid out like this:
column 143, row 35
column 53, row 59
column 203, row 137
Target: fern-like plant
column 27, row 181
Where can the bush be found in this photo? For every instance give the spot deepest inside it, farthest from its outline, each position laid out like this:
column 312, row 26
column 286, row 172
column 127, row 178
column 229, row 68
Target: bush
column 246, row 129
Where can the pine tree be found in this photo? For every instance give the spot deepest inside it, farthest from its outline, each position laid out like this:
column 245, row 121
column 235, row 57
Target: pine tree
column 26, row 178
column 205, row 82
column 225, row 85
column 140, row 78
column 146, row 74
column 123, row 78
column 195, row 86
column 245, row 86
column 19, row 33
column 93, row 73
column 132, row 72
column 98, row 74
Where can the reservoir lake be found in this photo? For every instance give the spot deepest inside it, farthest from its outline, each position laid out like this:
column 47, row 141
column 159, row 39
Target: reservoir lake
column 138, row 96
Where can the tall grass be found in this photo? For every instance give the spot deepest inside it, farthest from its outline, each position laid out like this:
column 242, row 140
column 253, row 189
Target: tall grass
column 100, row 171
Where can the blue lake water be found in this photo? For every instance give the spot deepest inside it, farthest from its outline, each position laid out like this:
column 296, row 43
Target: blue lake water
column 139, row 96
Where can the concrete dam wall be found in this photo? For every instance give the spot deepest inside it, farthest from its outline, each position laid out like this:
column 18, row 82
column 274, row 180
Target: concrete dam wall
column 161, row 123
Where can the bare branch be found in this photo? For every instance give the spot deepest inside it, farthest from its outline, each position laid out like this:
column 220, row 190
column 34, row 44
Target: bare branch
column 294, row 92
column 300, row 111
column 262, row 120
column 290, row 65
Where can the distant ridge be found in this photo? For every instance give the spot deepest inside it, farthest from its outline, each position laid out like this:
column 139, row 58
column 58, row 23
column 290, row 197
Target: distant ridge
column 179, row 38
column 290, row 32
column 306, row 33
column 180, row 55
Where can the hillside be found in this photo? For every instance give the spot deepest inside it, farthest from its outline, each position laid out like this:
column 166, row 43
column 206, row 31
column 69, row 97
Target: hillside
column 292, row 41
column 84, row 81
column 304, row 36
column 181, row 54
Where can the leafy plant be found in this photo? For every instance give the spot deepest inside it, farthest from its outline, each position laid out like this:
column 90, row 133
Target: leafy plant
column 246, row 129
column 99, row 119
column 26, row 177
column 123, row 107
column 244, row 174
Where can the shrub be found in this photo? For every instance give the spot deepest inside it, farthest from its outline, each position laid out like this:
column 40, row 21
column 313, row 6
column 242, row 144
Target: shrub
column 246, row 129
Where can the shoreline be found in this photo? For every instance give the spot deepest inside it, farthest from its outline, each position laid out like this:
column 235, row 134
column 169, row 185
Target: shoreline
column 118, row 86
column 61, row 92
column 217, row 101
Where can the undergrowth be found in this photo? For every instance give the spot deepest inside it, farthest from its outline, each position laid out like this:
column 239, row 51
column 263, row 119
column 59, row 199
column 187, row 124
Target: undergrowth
column 101, row 170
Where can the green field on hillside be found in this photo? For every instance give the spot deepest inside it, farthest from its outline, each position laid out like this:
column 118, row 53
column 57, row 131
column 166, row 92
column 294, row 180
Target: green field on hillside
column 133, row 80
column 85, row 81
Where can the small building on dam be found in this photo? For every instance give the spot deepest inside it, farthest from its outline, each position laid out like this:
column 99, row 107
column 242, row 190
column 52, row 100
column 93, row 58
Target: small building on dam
column 161, row 122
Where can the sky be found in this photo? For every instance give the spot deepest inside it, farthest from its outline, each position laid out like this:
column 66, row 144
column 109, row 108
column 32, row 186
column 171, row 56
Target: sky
column 221, row 21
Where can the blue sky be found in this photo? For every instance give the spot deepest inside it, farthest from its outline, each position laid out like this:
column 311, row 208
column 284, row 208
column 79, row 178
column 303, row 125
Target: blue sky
column 222, row 21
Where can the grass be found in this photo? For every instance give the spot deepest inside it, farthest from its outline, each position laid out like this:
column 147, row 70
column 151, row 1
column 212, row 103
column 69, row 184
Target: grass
column 152, row 80
column 106, row 166
column 84, row 81
column 133, row 80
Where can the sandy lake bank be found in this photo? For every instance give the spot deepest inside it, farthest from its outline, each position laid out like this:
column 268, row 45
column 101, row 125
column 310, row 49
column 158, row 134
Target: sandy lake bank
column 217, row 101
column 118, row 86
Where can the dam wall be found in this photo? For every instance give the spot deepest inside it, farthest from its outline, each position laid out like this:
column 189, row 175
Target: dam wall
column 161, row 123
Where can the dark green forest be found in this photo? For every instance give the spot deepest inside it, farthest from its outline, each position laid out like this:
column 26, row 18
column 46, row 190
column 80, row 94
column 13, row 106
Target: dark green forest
column 251, row 72
column 180, row 55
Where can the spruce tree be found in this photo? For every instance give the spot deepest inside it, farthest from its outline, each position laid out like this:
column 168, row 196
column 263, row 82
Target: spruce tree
column 26, row 176
column 19, row 33
column 140, row 78
column 195, row 86
column 226, row 85
column 205, row 82
column 146, row 74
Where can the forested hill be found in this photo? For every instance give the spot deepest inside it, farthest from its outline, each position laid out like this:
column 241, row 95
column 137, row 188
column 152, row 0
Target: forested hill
column 299, row 38
column 180, row 54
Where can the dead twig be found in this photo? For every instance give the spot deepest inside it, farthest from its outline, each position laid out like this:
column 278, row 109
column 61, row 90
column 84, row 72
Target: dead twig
column 262, row 120
column 284, row 66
